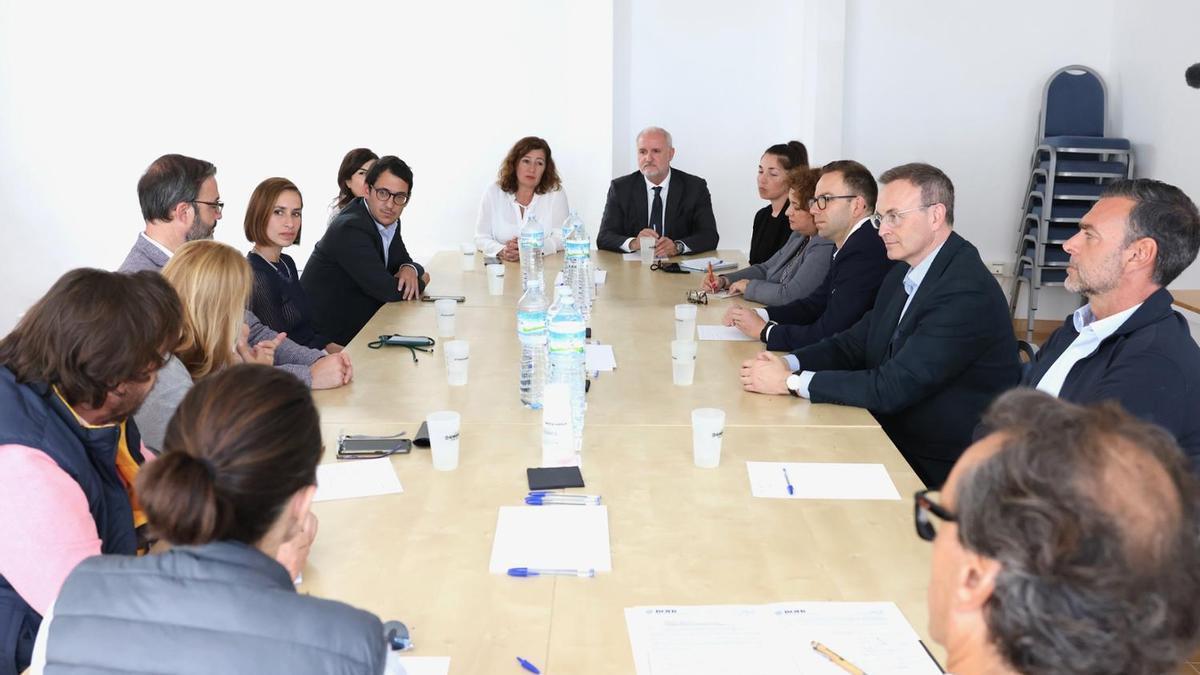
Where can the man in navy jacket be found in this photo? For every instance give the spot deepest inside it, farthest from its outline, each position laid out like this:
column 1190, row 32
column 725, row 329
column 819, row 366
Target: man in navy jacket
column 935, row 350
column 1127, row 344
column 841, row 209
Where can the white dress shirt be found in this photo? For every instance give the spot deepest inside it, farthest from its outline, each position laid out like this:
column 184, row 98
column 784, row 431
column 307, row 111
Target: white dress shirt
column 666, row 187
column 501, row 218
column 386, row 235
column 1092, row 332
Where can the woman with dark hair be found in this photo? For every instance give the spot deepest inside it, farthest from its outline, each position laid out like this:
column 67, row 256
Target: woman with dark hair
column 352, row 179
column 231, row 495
column 273, row 219
column 526, row 187
column 771, row 228
column 799, row 267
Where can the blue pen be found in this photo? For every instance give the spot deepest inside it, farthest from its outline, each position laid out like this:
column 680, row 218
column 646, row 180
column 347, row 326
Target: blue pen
column 544, row 500
column 527, row 665
column 791, row 490
column 539, row 572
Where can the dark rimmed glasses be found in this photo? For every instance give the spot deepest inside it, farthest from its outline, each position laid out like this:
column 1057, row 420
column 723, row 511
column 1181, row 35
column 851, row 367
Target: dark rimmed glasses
column 923, row 508
column 822, row 201
column 386, row 195
column 219, row 206
column 697, row 297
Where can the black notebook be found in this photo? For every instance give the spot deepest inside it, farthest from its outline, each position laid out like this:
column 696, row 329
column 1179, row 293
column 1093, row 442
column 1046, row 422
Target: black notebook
column 552, row 478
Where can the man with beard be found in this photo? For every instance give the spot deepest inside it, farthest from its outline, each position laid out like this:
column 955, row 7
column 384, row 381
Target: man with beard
column 1127, row 344
column 657, row 201
column 72, row 373
column 180, row 203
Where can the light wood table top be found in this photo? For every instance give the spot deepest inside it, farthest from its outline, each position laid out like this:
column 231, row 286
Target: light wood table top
column 1186, row 299
column 679, row 535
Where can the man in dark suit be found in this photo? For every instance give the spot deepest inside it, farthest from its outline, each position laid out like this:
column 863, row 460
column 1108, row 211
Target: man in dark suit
column 841, row 208
column 361, row 262
column 657, row 201
column 936, row 348
column 1127, row 344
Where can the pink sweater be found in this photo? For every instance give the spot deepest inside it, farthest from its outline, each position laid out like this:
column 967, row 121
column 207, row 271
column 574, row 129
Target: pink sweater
column 46, row 528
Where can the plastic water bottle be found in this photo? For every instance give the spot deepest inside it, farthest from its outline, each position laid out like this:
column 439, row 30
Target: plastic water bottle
column 530, row 244
column 531, row 330
column 566, row 338
column 577, row 270
column 569, row 224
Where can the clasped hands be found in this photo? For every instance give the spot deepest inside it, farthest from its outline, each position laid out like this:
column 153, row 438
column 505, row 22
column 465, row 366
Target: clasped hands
column 766, row 373
column 664, row 247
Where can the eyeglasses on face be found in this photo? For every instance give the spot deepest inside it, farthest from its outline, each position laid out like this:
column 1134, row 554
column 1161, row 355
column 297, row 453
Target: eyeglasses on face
column 217, row 206
column 385, row 195
column 923, row 508
column 893, row 218
column 822, row 201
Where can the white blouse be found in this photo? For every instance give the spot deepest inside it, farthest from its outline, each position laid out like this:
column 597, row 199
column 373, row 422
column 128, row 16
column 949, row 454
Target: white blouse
column 500, row 218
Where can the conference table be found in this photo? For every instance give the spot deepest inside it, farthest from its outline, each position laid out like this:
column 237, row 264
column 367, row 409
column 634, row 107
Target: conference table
column 679, row 535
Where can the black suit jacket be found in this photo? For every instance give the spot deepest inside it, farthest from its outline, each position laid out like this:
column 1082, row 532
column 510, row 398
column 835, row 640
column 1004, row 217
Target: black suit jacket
column 953, row 353
column 847, row 293
column 345, row 278
column 688, row 212
column 1150, row 365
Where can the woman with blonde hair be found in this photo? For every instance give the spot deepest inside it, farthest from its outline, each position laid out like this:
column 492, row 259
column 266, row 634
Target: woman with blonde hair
column 214, row 282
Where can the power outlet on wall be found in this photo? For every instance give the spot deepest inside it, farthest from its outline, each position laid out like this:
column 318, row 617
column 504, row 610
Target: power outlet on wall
column 1000, row 269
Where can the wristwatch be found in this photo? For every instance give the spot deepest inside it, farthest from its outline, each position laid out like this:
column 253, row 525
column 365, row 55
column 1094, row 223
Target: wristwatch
column 678, row 247
column 793, row 385
column 766, row 331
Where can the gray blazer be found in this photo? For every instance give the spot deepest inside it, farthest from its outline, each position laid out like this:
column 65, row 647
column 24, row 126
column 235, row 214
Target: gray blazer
column 172, row 385
column 785, row 277
column 289, row 356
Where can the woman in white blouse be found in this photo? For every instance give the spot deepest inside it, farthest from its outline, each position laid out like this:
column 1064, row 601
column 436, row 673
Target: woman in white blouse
column 527, row 186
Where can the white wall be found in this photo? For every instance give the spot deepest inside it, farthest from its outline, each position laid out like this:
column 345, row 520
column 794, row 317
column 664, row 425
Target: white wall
column 724, row 78
column 958, row 85
column 282, row 89
column 1153, row 43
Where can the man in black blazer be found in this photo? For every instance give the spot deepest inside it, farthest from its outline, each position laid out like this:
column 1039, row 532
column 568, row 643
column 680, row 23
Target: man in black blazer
column 362, row 262
column 936, row 348
column 1127, row 344
column 841, row 208
column 657, row 201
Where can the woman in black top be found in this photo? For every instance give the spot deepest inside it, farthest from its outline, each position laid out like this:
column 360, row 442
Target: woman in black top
column 771, row 229
column 272, row 223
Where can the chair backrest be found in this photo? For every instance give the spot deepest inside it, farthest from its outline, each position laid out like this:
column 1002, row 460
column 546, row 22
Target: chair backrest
column 1073, row 104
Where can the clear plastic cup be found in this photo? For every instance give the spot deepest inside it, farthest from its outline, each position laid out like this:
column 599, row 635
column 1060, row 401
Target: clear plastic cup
column 444, row 427
column 445, row 308
column 468, row 256
column 646, row 248
column 683, row 362
column 495, row 274
column 685, row 322
column 458, row 354
column 708, row 427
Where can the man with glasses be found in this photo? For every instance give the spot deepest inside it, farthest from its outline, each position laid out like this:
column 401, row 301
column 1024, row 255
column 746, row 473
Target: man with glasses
column 1127, row 344
column 936, row 348
column 1065, row 542
column 180, row 203
column 361, row 261
column 841, row 208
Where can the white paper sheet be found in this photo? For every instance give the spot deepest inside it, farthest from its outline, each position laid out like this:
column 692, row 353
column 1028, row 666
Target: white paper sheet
column 774, row 638
column 701, row 264
column 727, row 333
column 820, row 480
column 636, row 256
column 422, row 665
column 356, row 478
column 600, row 357
column 601, row 277
column 551, row 537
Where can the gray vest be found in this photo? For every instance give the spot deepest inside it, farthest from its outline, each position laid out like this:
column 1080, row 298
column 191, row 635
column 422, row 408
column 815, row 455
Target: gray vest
column 222, row 607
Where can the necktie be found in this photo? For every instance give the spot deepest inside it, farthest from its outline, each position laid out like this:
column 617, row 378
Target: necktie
column 656, row 223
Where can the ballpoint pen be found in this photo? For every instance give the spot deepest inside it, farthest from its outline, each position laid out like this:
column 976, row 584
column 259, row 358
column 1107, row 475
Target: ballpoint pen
column 837, row 660
column 528, row 666
column 539, row 572
column 791, row 490
column 563, row 500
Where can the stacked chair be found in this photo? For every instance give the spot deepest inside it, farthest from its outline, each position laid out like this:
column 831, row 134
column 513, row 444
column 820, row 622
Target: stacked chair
column 1073, row 160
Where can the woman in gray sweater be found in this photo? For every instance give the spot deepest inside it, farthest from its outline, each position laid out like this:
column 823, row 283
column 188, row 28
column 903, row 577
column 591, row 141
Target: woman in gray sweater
column 214, row 282
column 797, row 269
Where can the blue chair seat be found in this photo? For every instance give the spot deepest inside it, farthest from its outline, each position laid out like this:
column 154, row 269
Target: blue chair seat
column 1061, row 213
column 1052, row 255
column 1069, row 190
column 1081, row 167
column 1087, row 143
column 1055, row 234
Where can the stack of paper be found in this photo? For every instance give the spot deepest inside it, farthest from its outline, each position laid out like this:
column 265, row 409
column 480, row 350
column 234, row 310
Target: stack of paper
column 551, row 537
column 776, row 638
column 727, row 333
column 356, row 478
column 600, row 357
column 820, row 480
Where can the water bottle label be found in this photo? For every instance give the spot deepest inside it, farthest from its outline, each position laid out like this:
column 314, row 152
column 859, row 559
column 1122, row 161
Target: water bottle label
column 577, row 249
column 532, row 239
column 531, row 323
